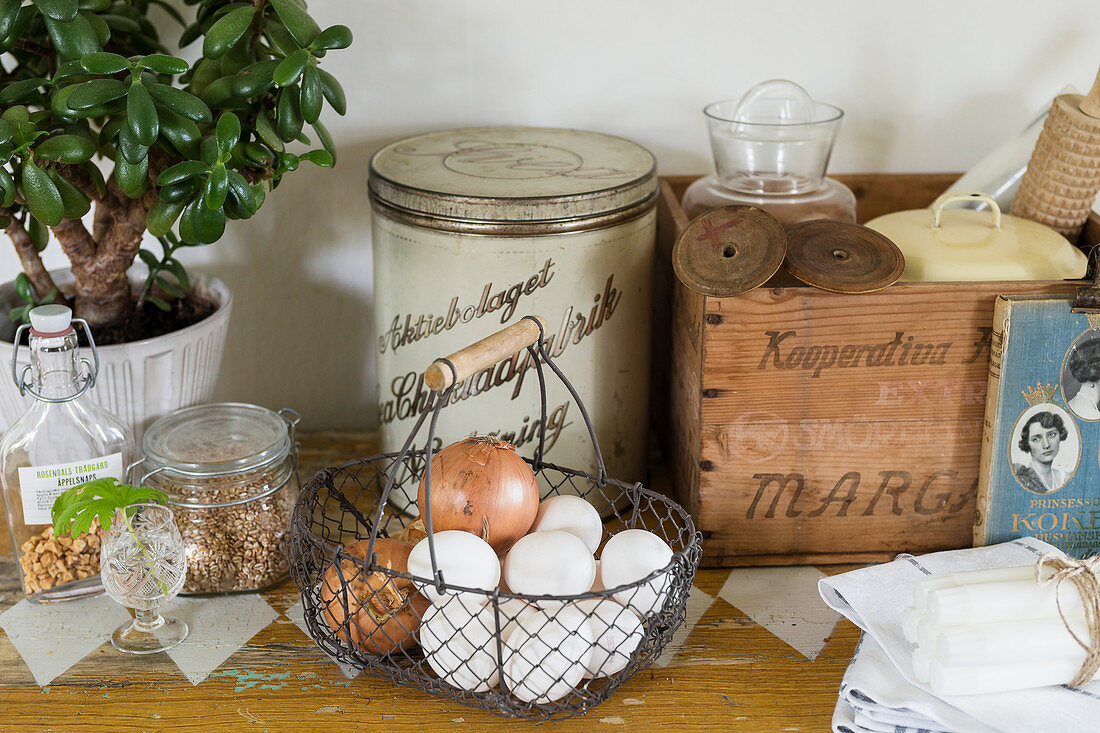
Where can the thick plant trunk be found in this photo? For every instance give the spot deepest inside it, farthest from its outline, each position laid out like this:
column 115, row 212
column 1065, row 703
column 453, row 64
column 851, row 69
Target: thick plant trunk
column 102, row 294
column 102, row 298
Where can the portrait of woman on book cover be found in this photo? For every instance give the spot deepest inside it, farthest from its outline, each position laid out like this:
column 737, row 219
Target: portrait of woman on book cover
column 1046, row 448
column 1081, row 377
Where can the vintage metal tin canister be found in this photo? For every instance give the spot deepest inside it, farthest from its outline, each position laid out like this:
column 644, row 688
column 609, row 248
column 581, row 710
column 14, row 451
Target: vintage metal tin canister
column 475, row 228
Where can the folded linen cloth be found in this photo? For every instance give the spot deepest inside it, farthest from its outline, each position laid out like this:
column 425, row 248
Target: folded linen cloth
column 874, row 598
column 875, row 698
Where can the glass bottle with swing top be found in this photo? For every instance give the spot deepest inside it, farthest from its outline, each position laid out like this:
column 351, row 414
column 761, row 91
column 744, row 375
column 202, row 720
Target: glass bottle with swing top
column 63, row 440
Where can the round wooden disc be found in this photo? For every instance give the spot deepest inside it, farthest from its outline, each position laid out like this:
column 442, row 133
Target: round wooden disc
column 842, row 257
column 729, row 251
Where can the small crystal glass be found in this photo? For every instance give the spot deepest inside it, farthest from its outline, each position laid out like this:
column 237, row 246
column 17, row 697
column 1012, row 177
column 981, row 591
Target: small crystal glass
column 142, row 565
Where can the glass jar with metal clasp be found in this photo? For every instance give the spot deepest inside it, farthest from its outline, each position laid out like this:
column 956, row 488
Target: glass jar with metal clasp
column 231, row 474
column 63, row 440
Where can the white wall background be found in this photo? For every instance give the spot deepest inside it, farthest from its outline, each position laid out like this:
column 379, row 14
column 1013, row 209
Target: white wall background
column 927, row 85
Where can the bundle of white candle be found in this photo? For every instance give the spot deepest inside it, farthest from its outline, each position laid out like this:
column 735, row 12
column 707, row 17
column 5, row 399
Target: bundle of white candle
column 989, row 641
column 995, row 630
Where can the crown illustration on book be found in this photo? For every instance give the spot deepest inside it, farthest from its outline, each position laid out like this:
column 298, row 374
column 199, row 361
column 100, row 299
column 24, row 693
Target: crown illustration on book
column 1040, row 393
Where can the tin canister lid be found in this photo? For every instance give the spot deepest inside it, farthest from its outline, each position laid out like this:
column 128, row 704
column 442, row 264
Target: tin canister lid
column 500, row 180
column 216, row 440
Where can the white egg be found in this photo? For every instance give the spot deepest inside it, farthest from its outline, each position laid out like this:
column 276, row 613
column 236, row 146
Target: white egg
column 628, row 557
column 547, row 654
column 465, row 559
column 458, row 638
column 616, row 632
column 573, row 515
column 549, row 563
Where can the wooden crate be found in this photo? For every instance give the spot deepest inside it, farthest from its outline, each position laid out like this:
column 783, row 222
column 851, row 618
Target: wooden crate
column 805, row 426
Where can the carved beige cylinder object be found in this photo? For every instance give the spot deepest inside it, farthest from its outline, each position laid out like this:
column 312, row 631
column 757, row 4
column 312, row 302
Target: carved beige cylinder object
column 474, row 229
column 1063, row 175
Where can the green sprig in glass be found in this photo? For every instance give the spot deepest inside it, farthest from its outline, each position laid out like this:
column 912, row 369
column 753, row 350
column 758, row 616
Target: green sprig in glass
column 74, row 510
column 142, row 543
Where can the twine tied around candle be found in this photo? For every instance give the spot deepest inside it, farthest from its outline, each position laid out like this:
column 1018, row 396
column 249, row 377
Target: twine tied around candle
column 1085, row 576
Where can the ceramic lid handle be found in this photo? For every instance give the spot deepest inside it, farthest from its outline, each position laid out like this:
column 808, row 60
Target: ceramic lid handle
column 954, row 196
column 484, row 353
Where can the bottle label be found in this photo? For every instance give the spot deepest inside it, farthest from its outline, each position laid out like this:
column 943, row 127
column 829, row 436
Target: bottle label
column 41, row 485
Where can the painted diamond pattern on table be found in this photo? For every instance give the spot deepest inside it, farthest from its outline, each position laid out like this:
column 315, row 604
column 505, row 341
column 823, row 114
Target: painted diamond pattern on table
column 697, row 605
column 296, row 614
column 219, row 628
column 784, row 601
column 32, row 629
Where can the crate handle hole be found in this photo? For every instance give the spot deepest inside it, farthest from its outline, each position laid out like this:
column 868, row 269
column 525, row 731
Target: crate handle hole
column 729, row 251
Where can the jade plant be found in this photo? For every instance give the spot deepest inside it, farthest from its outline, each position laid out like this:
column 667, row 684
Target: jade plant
column 96, row 110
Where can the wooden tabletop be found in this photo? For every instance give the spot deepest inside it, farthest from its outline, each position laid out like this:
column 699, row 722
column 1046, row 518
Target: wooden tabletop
column 728, row 673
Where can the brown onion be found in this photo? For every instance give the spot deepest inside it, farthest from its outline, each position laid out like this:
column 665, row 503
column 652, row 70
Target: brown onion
column 480, row 485
column 414, row 532
column 384, row 611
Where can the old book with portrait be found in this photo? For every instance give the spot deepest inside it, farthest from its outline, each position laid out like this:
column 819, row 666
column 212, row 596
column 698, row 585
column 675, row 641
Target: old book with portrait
column 1040, row 461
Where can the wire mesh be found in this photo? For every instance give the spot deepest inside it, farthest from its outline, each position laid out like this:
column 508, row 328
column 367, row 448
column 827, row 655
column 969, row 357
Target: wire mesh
column 535, row 657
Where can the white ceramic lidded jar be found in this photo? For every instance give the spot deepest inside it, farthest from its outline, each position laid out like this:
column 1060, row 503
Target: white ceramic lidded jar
column 474, row 229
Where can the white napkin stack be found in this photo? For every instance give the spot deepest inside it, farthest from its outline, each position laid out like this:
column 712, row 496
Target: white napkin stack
column 879, row 692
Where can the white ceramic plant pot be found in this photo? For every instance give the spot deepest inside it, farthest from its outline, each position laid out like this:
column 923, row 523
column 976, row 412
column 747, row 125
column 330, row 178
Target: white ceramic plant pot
column 142, row 380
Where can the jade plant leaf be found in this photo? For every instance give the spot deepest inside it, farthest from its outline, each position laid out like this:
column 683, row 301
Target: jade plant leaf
column 255, row 79
column 226, row 31
column 290, row 68
column 162, row 215
column 74, row 204
column 228, row 132
column 65, row 149
column 74, row 38
column 182, row 102
column 43, row 198
column 288, row 114
column 163, row 64
column 131, row 178
column 334, row 93
column 312, row 95
column 297, row 21
column 95, row 92
column 217, row 186
column 104, row 63
column 181, row 172
column 62, row 10
column 141, row 115
column 333, row 37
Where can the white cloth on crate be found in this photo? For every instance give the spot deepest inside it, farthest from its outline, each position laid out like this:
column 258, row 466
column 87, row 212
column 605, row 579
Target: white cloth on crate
column 874, row 598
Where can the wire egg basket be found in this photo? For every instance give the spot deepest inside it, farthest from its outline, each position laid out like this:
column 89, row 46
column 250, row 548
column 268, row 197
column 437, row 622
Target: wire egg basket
column 522, row 656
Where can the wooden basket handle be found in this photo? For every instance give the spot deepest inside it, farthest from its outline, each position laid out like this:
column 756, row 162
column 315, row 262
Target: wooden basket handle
column 484, row 353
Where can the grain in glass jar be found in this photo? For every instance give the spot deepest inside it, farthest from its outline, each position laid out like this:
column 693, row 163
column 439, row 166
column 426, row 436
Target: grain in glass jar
column 231, row 473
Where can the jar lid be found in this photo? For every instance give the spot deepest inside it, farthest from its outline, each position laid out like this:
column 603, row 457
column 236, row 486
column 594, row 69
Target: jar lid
column 522, row 180
column 216, row 440
column 942, row 245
